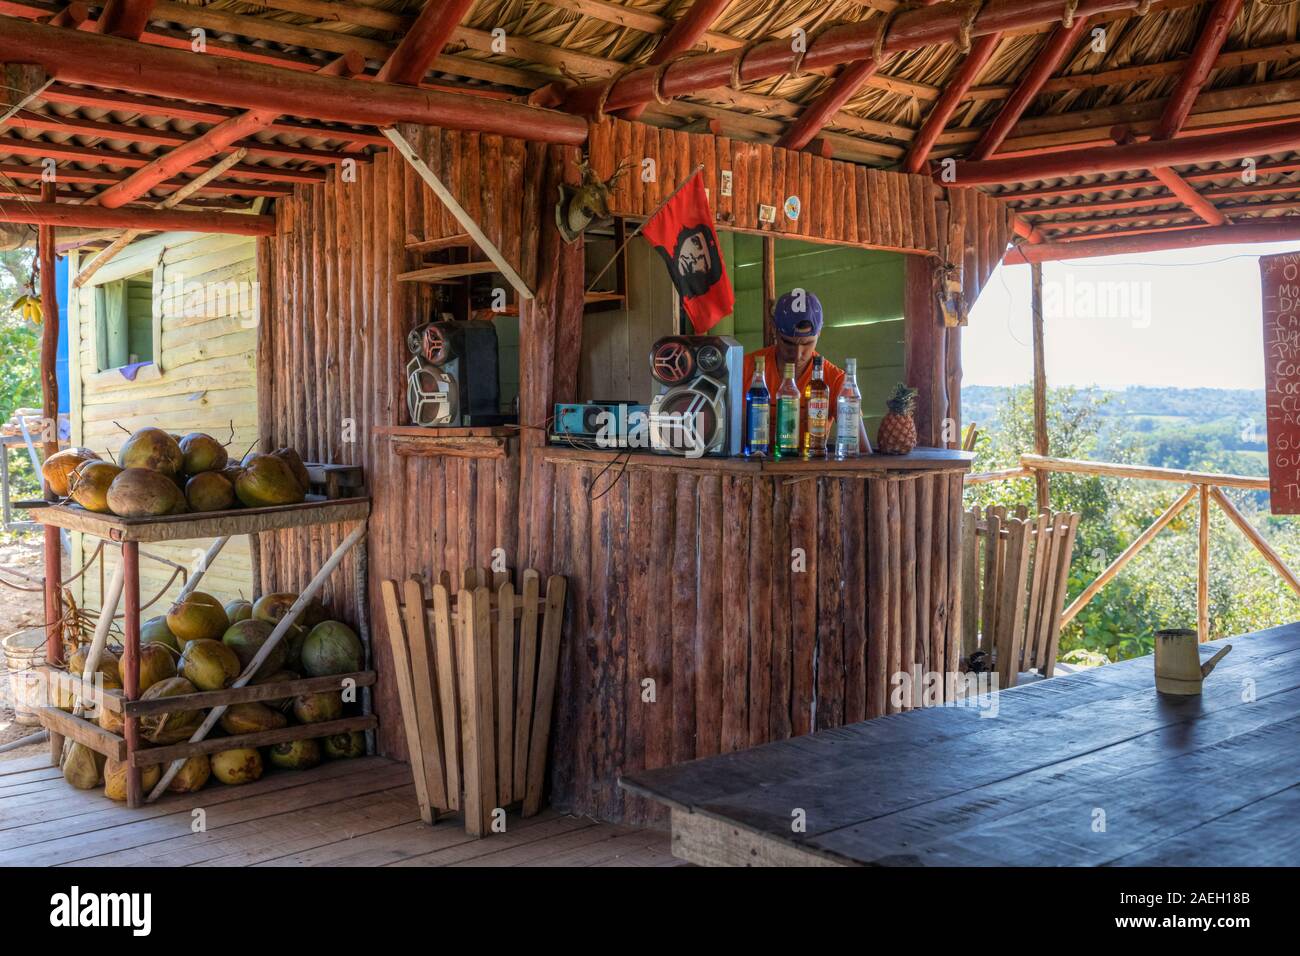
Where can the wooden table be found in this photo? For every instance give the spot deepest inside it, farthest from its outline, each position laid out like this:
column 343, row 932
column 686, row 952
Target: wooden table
column 1089, row 769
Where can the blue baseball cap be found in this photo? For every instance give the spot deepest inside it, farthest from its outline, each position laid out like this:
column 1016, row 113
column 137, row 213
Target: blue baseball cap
column 798, row 315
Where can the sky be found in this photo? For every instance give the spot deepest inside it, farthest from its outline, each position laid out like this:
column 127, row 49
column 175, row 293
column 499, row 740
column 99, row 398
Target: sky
column 1186, row 318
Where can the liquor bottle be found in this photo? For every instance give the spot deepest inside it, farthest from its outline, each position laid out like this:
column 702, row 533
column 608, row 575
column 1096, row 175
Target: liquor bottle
column 818, row 398
column 787, row 416
column 848, row 413
column 758, row 414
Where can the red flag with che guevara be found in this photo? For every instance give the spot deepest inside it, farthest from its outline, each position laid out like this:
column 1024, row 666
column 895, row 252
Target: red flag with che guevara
column 683, row 233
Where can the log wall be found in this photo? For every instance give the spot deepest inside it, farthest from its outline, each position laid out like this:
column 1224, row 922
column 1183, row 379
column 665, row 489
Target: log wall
column 761, row 608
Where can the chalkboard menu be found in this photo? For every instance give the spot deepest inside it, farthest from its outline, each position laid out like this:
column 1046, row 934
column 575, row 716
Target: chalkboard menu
column 1280, row 285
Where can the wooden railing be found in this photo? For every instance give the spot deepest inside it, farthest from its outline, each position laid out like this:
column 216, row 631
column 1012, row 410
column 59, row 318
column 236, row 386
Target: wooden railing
column 1203, row 487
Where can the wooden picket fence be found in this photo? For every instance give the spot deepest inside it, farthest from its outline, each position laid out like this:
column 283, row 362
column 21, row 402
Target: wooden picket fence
column 476, row 681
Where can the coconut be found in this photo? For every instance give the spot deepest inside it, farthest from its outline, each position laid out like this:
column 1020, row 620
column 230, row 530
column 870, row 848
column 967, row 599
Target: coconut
column 268, row 481
column 231, row 473
column 251, row 718
column 271, row 608
column 296, row 754
column 279, row 677
column 111, row 722
column 89, row 484
column 202, row 453
column 318, row 708
column 154, row 449
column 209, row 664
column 237, row 766
column 115, row 778
column 107, row 666
column 80, row 768
column 157, row 662
column 143, row 493
column 344, row 746
column 238, row 610
column 194, row 773
column 156, row 631
column 58, row 468
column 246, row 638
column 197, row 617
column 210, row 491
column 331, row 648
column 291, row 458
column 173, row 726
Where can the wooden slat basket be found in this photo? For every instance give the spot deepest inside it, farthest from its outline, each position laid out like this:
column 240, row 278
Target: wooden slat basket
column 476, row 676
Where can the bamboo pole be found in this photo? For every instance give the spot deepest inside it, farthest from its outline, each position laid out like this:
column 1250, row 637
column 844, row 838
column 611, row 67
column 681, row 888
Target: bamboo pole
column 1140, row 542
column 1203, row 565
column 1041, row 478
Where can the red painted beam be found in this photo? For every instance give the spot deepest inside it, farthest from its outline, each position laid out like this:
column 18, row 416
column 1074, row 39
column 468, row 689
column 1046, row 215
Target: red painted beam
column 953, row 92
column 95, row 60
column 833, row 47
column 157, row 220
column 1175, row 183
column 423, row 41
column 821, row 110
column 1058, row 46
column 681, row 36
column 1214, row 148
column 1282, row 229
column 124, row 18
column 1213, row 34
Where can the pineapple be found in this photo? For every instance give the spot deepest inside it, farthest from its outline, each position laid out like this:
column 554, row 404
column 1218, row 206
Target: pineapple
column 897, row 433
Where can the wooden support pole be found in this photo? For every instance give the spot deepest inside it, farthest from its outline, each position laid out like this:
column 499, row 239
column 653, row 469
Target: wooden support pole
column 124, row 18
column 1254, row 537
column 131, row 664
column 1140, row 542
column 1281, row 229
column 423, row 41
column 1041, row 478
column 684, row 34
column 821, row 110
column 156, row 220
column 52, row 546
column 1203, row 565
column 954, row 90
column 769, row 290
column 1215, row 31
column 924, row 349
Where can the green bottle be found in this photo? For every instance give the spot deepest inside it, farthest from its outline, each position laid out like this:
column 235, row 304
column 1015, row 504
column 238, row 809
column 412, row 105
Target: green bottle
column 787, row 416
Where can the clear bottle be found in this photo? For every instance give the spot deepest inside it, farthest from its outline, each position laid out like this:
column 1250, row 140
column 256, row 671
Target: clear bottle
column 758, row 413
column 787, row 416
column 848, row 413
column 818, row 398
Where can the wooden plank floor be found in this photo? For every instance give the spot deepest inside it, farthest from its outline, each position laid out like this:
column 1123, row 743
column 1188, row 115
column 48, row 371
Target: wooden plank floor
column 343, row 813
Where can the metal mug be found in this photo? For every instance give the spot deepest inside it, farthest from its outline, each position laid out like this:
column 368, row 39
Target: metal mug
column 1178, row 662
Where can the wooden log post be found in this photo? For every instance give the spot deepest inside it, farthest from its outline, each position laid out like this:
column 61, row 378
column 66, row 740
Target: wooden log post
column 924, row 365
column 1041, row 478
column 1203, row 565
column 131, row 665
column 53, row 551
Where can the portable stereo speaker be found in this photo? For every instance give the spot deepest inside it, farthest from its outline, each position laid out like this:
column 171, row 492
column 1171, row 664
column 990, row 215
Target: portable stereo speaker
column 452, row 374
column 701, row 396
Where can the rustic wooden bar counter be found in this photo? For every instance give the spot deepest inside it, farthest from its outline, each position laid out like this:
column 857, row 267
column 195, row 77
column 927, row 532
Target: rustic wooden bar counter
column 717, row 604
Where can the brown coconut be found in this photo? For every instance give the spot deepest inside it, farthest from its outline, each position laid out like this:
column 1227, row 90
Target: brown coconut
column 210, row 491
column 294, row 461
column 251, row 718
column 202, row 453
column 154, row 449
column 81, row 768
column 268, row 481
column 173, row 726
column 115, row 778
column 143, row 493
column 194, row 773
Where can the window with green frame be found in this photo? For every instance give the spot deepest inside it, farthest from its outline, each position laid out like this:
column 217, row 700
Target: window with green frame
column 124, row 326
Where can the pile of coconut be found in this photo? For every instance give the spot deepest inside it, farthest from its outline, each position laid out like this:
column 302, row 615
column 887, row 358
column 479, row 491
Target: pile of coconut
column 202, row 645
column 160, row 474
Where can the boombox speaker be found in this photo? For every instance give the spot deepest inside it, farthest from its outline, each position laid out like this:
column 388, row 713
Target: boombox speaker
column 452, row 374
column 701, row 397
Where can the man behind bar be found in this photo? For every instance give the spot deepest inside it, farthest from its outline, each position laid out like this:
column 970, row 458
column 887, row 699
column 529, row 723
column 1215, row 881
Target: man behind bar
column 797, row 324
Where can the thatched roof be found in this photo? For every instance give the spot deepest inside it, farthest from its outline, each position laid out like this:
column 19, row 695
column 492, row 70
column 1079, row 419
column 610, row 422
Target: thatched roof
column 571, row 41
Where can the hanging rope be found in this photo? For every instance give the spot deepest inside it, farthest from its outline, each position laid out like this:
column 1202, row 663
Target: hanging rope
column 967, row 24
column 1067, row 18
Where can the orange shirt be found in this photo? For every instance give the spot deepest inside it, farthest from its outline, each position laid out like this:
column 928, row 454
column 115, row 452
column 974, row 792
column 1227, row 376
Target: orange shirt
column 833, row 374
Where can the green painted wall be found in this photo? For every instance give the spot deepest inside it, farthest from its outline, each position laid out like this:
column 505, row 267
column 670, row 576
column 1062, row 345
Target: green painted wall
column 861, row 293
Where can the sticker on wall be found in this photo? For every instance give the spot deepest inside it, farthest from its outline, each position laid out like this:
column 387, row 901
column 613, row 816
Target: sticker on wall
column 792, row 206
column 725, row 188
column 766, row 213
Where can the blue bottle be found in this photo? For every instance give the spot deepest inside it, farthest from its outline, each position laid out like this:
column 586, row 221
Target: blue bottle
column 758, row 411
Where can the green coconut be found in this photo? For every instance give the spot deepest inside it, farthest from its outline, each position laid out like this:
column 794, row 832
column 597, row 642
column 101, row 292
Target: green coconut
column 268, row 481
column 246, row 638
column 238, row 610
column 154, row 449
column 318, row 708
column 209, row 664
column 197, row 617
column 242, row 765
column 279, row 677
column 173, row 726
column 331, row 648
column 251, row 718
column 194, row 773
column 144, row 493
column 156, row 631
column 210, row 491
column 296, row 754
column 292, row 459
column 80, row 768
column 89, row 485
column 344, row 746
column 157, row 663
column 202, row 453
